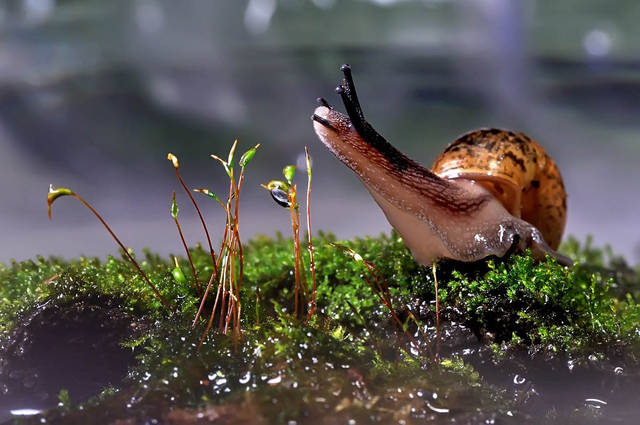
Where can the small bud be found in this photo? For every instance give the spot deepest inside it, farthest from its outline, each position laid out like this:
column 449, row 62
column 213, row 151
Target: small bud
column 308, row 159
column 248, row 155
column 288, row 171
column 174, row 207
column 178, row 274
column 55, row 193
column 174, row 159
column 350, row 252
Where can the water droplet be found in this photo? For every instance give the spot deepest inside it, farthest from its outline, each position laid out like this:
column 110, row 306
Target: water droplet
column 245, row 378
column 25, row 412
column 518, row 380
column 275, row 381
column 437, row 409
column 595, row 403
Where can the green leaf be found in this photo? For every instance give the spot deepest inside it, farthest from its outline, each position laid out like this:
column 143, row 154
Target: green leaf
column 224, row 164
column 209, row 193
column 232, row 151
column 288, row 171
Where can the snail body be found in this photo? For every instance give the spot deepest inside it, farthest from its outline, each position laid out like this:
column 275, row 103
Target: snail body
column 489, row 193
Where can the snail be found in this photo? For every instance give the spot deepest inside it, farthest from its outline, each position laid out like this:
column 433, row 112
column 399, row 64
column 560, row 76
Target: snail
column 491, row 192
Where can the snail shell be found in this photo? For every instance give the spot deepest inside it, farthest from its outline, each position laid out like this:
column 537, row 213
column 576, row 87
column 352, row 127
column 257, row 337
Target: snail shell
column 516, row 170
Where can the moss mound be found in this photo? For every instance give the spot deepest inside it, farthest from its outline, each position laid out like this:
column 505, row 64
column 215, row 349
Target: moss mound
column 509, row 330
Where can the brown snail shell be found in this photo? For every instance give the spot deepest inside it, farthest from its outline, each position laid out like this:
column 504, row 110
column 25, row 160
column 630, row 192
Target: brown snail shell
column 516, row 170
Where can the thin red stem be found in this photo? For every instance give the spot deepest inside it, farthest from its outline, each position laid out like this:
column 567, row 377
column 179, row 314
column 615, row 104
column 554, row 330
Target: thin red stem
column 204, row 225
column 385, row 297
column 186, row 250
column 126, row 252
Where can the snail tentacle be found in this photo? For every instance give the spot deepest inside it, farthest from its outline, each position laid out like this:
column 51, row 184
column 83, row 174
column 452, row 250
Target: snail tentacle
column 322, row 101
column 323, row 121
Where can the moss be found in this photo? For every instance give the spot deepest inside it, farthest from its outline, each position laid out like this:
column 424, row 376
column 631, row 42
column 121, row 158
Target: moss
column 350, row 360
column 521, row 302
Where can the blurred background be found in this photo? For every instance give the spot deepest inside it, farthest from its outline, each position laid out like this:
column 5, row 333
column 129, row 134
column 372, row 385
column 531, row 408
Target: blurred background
column 93, row 94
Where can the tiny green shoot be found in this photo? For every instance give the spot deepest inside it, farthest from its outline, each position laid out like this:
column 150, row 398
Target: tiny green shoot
column 312, row 265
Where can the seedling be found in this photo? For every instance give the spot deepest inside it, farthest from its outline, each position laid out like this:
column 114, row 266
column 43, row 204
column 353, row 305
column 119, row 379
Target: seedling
column 55, row 193
column 230, row 261
column 284, row 193
column 312, row 266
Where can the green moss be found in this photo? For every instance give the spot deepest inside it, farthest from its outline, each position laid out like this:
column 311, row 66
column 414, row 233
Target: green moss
column 350, row 357
column 521, row 302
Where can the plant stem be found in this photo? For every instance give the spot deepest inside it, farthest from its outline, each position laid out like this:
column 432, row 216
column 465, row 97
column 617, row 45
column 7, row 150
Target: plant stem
column 312, row 266
column 435, row 280
column 204, row 225
column 186, row 250
column 126, row 252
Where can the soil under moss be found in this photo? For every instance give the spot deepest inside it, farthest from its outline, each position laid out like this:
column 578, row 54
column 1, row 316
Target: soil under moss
column 519, row 341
